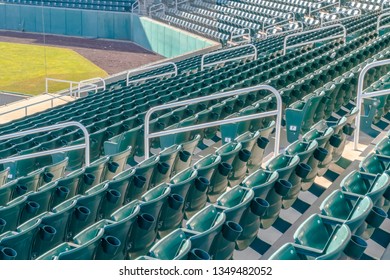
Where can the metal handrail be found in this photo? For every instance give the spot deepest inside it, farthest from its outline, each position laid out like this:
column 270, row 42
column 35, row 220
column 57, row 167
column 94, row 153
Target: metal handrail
column 361, row 95
column 159, row 6
column 71, row 85
column 174, row 72
column 177, row 3
column 134, row 6
column 277, row 113
column 344, row 35
column 299, row 28
column 203, row 65
column 103, row 86
column 246, row 32
column 53, row 151
column 378, row 22
column 323, row 7
column 278, row 22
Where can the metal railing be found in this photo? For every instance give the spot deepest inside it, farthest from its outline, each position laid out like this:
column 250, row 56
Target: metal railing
column 156, row 8
column 362, row 95
column 203, row 64
column 343, row 35
column 135, row 6
column 88, row 81
column 323, row 7
column 383, row 6
column 72, row 85
column 53, row 151
column 174, row 72
column 378, row 23
column 277, row 113
column 243, row 33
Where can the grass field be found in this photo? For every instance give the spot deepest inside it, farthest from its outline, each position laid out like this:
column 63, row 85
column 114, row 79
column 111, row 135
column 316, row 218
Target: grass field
column 22, row 68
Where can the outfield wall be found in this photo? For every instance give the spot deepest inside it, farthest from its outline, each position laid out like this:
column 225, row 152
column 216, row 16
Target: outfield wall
column 150, row 34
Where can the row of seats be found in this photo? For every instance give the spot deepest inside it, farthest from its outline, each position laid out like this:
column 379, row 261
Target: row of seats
column 348, row 216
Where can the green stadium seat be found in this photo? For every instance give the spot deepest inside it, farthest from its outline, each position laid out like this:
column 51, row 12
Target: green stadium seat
column 172, row 213
column 145, row 231
column 116, row 164
column 22, row 239
column 266, row 203
column 4, row 176
column 185, row 155
column 206, row 225
column 168, row 157
column 146, row 168
column 87, row 209
column 93, row 174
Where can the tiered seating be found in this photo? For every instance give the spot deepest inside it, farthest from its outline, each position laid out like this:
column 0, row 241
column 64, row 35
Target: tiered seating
column 117, row 6
column 357, row 209
column 105, row 211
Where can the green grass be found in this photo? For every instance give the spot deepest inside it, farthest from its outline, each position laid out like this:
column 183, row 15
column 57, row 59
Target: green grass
column 22, row 68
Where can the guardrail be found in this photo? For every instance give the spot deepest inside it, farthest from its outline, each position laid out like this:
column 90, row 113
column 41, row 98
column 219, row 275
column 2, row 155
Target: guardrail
column 203, row 64
column 378, row 22
column 53, row 151
column 344, row 35
column 277, row 113
column 361, row 95
column 72, row 86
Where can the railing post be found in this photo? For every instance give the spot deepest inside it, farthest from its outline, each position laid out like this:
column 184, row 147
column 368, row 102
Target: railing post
column 277, row 113
column 344, row 35
column 50, row 152
column 360, row 96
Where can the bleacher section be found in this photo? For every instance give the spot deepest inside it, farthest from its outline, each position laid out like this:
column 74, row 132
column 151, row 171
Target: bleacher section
column 217, row 192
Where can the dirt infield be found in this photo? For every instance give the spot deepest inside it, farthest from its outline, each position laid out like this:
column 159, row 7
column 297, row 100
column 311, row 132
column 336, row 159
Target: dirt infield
column 111, row 56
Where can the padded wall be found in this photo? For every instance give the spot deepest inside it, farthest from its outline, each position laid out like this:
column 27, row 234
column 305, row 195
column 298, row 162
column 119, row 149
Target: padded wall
column 150, row 34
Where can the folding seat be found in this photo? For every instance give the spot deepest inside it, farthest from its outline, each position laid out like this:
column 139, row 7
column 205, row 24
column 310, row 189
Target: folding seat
column 83, row 247
column 305, row 151
column 206, row 225
column 53, row 227
column 39, row 202
column 300, row 115
column 167, row 159
column 185, row 154
column 87, row 209
column 290, row 169
column 11, row 212
column 29, row 183
column 317, row 232
column 375, row 186
column 182, row 186
column 94, row 174
column 177, row 246
column 21, row 240
column 145, row 231
column 122, row 142
column 266, row 204
column 116, row 164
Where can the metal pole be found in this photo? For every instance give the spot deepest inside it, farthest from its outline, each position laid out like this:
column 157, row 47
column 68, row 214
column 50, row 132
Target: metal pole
column 360, row 96
column 48, row 128
column 379, row 21
column 277, row 112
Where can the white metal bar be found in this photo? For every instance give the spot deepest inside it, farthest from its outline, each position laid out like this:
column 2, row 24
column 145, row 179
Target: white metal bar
column 156, row 7
column 378, row 27
column 203, row 65
column 383, row 5
column 43, row 153
column 174, row 72
column 277, row 113
column 361, row 95
column 103, row 86
column 344, row 35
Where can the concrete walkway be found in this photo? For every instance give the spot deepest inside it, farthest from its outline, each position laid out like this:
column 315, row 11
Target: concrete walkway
column 19, row 109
